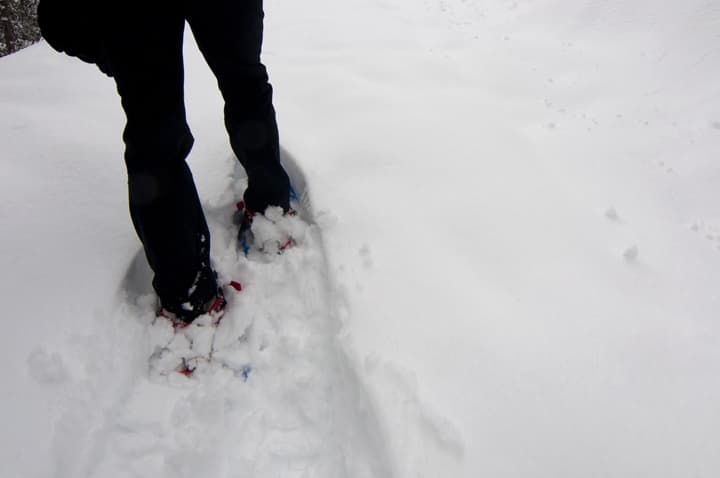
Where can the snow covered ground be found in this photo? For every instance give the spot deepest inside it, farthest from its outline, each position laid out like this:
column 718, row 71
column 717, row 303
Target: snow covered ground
column 511, row 267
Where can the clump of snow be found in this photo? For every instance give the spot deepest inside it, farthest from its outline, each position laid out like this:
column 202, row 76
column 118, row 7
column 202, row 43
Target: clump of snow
column 274, row 231
column 631, row 253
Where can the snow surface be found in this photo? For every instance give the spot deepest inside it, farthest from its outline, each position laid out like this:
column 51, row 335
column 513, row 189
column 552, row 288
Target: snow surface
column 510, row 268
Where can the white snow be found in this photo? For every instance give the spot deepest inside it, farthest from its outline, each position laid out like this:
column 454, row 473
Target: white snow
column 510, row 268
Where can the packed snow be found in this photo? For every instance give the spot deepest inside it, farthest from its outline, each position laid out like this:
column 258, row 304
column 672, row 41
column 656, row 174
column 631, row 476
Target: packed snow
column 507, row 258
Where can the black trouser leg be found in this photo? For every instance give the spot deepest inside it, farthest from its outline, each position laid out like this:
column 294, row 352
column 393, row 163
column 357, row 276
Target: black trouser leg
column 145, row 52
column 229, row 34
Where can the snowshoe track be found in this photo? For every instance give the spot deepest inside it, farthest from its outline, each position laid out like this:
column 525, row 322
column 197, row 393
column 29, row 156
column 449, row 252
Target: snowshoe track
column 272, row 394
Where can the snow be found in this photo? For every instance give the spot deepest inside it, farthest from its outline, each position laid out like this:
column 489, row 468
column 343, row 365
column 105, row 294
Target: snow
column 510, row 266
column 273, row 392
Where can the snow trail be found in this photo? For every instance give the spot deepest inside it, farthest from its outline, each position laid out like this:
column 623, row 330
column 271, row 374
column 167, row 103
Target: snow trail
column 277, row 399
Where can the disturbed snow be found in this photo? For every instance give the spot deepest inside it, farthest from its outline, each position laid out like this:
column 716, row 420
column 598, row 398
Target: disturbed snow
column 271, row 393
column 516, row 209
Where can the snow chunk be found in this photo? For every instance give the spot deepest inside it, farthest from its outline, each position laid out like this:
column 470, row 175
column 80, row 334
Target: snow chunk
column 274, row 230
column 631, row 253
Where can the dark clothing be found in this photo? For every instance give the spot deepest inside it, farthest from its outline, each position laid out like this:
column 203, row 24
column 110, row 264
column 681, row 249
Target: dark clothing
column 75, row 27
column 143, row 45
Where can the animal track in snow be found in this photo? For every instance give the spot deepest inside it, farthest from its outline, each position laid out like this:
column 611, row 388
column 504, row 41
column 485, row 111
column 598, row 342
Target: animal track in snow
column 708, row 230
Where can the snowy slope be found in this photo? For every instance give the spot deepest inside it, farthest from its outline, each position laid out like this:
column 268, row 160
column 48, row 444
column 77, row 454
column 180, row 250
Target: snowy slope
column 476, row 149
column 517, row 207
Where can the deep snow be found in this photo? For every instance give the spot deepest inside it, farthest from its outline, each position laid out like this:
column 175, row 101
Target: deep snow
column 515, row 252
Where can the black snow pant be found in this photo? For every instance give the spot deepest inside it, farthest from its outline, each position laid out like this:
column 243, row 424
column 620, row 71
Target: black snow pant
column 144, row 50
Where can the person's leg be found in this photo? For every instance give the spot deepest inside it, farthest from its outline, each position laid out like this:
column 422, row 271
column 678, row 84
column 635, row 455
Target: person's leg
column 145, row 52
column 229, row 34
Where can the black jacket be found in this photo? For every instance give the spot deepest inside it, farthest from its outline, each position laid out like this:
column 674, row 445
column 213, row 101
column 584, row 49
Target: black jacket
column 75, row 27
